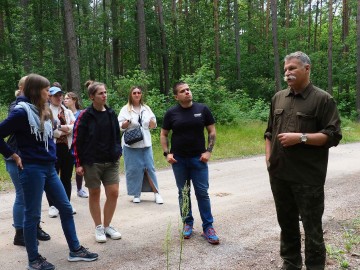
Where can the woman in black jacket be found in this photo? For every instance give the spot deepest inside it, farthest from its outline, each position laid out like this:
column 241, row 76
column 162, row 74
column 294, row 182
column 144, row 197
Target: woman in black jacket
column 97, row 151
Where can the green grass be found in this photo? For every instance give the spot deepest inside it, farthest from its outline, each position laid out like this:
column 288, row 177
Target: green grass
column 350, row 241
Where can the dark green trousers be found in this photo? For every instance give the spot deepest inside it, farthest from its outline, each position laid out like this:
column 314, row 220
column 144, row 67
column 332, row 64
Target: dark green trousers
column 291, row 200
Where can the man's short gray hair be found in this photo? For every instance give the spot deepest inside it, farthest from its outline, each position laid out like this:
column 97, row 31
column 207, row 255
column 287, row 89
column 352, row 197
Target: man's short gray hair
column 300, row 56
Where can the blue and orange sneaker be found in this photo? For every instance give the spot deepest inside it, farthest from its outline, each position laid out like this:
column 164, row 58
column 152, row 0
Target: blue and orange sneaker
column 210, row 235
column 187, row 232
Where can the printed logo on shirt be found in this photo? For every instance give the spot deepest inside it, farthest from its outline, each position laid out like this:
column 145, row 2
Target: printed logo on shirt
column 197, row 114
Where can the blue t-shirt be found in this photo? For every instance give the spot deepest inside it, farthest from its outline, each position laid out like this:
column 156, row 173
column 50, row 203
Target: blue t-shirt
column 187, row 125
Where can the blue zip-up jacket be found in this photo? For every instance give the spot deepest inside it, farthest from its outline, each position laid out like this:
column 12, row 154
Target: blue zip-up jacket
column 30, row 149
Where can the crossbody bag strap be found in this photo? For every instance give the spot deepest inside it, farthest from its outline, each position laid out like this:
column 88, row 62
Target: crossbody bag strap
column 140, row 119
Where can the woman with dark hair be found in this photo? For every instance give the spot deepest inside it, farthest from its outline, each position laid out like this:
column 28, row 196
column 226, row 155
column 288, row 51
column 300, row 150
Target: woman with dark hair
column 13, row 170
column 138, row 157
column 97, row 151
column 31, row 123
column 71, row 101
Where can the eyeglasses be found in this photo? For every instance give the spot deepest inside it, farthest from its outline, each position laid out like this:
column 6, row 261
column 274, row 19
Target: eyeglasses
column 136, row 93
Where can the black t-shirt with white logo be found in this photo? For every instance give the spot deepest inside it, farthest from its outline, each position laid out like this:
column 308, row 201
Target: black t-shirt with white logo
column 187, row 125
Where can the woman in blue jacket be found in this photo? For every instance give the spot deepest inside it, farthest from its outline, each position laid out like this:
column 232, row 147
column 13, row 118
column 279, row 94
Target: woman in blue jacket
column 12, row 169
column 32, row 125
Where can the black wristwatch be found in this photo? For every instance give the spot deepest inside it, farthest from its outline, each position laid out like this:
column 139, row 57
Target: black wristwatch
column 165, row 154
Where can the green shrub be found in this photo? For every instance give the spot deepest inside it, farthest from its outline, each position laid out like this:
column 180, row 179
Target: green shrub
column 212, row 93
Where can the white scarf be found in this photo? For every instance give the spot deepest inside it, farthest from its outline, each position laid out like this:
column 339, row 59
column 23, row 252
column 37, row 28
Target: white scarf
column 35, row 124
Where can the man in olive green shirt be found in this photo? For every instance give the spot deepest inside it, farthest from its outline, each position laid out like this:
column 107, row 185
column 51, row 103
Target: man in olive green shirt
column 303, row 124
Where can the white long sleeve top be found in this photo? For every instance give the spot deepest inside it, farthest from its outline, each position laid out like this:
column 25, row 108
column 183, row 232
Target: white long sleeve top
column 128, row 113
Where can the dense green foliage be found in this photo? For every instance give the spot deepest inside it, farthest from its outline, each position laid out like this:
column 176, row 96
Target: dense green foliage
column 33, row 39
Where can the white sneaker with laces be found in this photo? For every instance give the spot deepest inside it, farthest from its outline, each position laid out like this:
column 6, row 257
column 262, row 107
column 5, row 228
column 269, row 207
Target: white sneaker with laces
column 53, row 212
column 112, row 232
column 158, row 198
column 136, row 200
column 100, row 234
column 82, row 193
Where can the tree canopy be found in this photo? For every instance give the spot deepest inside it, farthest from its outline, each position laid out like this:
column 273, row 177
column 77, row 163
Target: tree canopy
column 109, row 40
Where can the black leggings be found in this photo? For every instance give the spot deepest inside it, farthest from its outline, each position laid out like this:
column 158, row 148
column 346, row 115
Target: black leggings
column 64, row 167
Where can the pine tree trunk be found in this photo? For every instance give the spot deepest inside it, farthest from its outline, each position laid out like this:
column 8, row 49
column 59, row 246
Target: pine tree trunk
column 116, row 37
column 330, row 44
column 164, row 53
column 217, row 39
column 237, row 39
column 142, row 35
column 275, row 45
column 72, row 47
column 358, row 61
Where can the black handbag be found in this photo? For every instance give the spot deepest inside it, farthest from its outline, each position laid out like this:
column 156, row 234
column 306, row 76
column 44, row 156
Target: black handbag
column 134, row 135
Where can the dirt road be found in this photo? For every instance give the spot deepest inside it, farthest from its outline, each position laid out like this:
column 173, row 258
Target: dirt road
column 244, row 214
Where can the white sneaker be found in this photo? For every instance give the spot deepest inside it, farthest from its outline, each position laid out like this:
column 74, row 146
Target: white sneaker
column 82, row 194
column 112, row 232
column 53, row 212
column 158, row 199
column 136, row 200
column 100, row 234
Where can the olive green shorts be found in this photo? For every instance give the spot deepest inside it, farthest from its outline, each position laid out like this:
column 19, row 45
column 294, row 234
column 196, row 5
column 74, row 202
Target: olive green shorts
column 106, row 173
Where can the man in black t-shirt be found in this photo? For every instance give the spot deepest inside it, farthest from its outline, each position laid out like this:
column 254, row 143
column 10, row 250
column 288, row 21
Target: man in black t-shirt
column 188, row 156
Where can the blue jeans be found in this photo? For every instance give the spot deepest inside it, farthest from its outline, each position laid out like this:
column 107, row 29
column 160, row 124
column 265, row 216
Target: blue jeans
column 35, row 178
column 186, row 169
column 18, row 207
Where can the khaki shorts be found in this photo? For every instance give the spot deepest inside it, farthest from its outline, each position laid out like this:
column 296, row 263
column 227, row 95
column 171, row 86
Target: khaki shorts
column 106, row 173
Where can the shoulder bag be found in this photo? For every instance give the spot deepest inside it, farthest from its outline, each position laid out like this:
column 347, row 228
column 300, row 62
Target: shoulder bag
column 134, row 135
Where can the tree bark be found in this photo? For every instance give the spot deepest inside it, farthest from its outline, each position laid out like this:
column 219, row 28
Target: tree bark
column 330, row 44
column 115, row 37
column 105, row 41
column 87, row 41
column 72, row 47
column 237, row 39
column 142, row 35
column 14, row 55
column 316, row 25
column 309, row 26
column 164, row 52
column 344, row 85
column 27, row 37
column 2, row 35
column 177, row 57
column 275, row 45
column 358, row 61
column 217, row 39
column 287, row 23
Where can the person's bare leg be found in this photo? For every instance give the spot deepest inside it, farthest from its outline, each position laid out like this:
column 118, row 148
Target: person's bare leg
column 94, row 205
column 112, row 193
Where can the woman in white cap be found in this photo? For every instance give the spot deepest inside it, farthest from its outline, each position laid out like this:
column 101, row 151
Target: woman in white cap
column 64, row 119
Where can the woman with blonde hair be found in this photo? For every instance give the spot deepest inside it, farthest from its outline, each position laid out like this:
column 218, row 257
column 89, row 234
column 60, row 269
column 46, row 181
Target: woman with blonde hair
column 138, row 157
